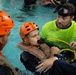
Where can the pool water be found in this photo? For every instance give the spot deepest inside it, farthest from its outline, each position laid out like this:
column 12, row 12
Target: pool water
column 39, row 14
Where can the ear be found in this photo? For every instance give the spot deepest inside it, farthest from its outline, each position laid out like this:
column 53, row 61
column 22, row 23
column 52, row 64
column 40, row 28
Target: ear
column 26, row 41
column 72, row 17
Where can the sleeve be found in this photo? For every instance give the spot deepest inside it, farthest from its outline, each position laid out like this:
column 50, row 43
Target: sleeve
column 61, row 67
column 29, row 61
column 4, row 71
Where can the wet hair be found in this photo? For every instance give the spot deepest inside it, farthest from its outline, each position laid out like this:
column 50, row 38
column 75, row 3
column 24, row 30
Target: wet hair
column 68, row 6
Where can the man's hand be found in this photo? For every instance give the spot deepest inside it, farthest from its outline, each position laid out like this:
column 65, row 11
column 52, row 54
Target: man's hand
column 46, row 64
column 73, row 45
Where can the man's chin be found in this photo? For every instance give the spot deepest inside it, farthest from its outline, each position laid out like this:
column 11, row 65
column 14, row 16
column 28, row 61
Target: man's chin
column 59, row 26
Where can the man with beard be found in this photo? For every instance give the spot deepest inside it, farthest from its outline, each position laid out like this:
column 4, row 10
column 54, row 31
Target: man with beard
column 55, row 2
column 61, row 30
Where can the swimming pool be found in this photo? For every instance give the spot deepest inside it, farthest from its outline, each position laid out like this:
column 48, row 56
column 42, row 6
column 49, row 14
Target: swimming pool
column 40, row 15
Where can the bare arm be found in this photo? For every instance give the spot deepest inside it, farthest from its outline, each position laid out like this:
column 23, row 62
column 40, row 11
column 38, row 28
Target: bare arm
column 46, row 64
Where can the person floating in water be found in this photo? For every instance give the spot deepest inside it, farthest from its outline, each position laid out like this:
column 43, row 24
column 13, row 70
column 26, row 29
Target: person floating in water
column 6, row 24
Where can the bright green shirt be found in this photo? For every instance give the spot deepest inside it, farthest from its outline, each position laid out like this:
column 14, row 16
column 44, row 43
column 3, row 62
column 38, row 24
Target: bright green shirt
column 59, row 37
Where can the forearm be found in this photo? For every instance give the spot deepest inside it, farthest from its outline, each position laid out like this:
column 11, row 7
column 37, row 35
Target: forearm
column 46, row 64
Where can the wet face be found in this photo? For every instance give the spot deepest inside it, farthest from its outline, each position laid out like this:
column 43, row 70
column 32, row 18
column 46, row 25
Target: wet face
column 4, row 39
column 33, row 37
column 64, row 21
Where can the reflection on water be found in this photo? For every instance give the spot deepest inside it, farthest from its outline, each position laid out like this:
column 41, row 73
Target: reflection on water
column 39, row 14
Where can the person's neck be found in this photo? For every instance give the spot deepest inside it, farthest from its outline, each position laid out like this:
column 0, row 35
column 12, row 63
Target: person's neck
column 68, row 26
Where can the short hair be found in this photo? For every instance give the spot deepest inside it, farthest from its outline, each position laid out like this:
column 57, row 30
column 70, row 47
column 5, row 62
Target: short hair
column 68, row 6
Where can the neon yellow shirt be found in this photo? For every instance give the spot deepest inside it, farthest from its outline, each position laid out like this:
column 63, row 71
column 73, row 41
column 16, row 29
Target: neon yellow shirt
column 58, row 37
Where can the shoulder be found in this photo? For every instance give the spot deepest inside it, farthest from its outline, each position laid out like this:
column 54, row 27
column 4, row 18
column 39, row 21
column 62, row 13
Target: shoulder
column 53, row 21
column 49, row 23
column 74, row 23
column 24, row 56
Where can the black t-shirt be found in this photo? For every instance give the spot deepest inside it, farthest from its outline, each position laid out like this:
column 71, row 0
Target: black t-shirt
column 59, row 67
